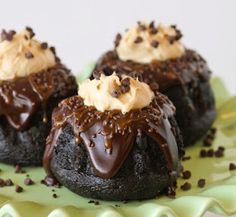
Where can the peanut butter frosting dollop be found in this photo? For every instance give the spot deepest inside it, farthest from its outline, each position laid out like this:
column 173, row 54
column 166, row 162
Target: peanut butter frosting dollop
column 116, row 93
column 145, row 43
column 21, row 55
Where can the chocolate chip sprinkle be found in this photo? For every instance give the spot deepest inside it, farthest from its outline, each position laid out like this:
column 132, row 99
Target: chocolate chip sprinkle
column 186, row 186
column 7, row 35
column 232, row 166
column 155, row 44
column 115, row 93
column 30, row 30
column 29, row 55
column 44, row 45
column 18, row 189
column 201, row 183
column 186, row 174
column 138, row 40
column 141, row 26
column 117, row 39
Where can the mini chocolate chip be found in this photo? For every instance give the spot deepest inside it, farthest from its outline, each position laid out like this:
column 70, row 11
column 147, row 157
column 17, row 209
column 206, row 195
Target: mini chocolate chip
column 153, row 31
column 207, row 141
column 171, row 39
column 213, row 130
column 53, row 49
column 141, row 26
column 2, row 183
column 154, row 44
column 55, row 196
column 18, row 189
column 8, row 36
column 201, row 183
column 30, row 30
column 91, row 201
column 117, row 39
column 138, row 40
column 125, row 82
column 9, row 182
column 96, row 203
column 44, row 45
column 186, row 158
column 50, row 181
column 203, row 153
column 115, row 93
column 210, row 153
column 124, row 89
column 221, row 148
column 28, row 181
column 186, row 186
column 29, row 55
column 232, row 166
column 219, row 153
column 152, row 24
column 186, row 174
column 18, row 169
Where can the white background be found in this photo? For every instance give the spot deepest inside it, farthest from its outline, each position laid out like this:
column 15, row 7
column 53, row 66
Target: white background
column 82, row 30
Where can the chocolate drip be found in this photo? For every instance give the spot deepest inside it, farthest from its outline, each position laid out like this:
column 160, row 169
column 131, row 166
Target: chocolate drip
column 164, row 74
column 109, row 136
column 21, row 98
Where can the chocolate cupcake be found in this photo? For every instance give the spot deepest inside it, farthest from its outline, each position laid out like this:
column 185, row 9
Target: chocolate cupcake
column 156, row 56
column 32, row 82
column 116, row 140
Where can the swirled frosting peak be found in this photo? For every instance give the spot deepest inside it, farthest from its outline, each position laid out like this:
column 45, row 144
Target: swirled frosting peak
column 145, row 43
column 21, row 54
column 116, row 93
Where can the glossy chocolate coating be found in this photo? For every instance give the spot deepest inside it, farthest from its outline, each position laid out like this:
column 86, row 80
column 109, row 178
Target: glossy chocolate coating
column 109, row 136
column 21, row 98
column 184, row 80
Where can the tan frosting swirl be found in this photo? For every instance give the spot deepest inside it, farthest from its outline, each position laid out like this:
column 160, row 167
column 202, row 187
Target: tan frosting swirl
column 98, row 93
column 144, row 44
column 13, row 56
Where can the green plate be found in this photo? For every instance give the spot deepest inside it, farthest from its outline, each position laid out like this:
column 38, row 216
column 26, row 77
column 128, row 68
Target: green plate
column 219, row 194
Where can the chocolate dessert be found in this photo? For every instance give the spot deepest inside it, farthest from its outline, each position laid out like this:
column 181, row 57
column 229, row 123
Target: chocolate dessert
column 117, row 141
column 155, row 55
column 32, row 82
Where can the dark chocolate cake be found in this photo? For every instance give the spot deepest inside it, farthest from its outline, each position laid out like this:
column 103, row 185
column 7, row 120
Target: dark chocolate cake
column 112, row 155
column 27, row 101
column 183, row 75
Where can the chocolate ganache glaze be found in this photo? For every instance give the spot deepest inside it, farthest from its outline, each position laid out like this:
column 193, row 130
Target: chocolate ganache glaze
column 20, row 98
column 109, row 136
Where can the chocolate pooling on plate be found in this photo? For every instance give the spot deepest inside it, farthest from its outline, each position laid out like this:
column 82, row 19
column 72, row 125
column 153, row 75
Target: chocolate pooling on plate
column 30, row 74
column 108, row 128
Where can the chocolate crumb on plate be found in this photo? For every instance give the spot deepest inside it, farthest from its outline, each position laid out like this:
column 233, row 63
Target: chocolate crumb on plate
column 186, row 158
column 9, row 182
column 203, row 153
column 28, row 181
column 2, row 183
column 186, row 186
column 18, row 169
column 232, row 166
column 18, row 189
column 186, row 174
column 201, row 183
column 55, row 196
